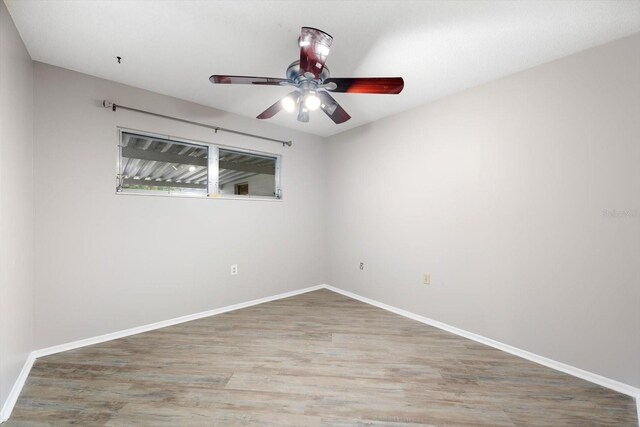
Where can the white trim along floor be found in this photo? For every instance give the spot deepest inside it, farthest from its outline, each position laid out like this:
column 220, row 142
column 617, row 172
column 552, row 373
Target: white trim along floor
column 571, row 370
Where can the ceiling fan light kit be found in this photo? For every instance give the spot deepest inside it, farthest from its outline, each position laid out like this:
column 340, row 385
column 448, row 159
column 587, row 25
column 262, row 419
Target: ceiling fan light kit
column 312, row 81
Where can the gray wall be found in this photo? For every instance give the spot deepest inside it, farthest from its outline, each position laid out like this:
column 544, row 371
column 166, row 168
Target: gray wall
column 16, row 203
column 106, row 262
column 499, row 193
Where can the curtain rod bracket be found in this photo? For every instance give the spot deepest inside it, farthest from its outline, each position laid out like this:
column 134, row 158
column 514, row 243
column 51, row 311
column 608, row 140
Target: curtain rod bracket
column 108, row 104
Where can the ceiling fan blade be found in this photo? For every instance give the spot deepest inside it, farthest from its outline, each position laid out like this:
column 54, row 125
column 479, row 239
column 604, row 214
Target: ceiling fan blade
column 332, row 109
column 275, row 108
column 379, row 85
column 247, row 80
column 314, row 49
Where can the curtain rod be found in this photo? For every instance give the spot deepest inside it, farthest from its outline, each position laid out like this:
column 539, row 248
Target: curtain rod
column 114, row 106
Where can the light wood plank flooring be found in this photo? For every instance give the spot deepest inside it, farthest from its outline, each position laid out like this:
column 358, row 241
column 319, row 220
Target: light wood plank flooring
column 313, row 359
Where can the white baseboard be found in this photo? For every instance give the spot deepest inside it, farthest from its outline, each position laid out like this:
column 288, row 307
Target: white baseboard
column 163, row 324
column 17, row 387
column 559, row 366
column 577, row 372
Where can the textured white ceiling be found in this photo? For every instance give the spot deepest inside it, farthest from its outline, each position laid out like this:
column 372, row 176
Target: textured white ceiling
column 439, row 47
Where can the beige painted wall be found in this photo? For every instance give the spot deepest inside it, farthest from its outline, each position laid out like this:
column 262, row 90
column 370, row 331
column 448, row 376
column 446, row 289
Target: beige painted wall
column 16, row 203
column 106, row 262
column 500, row 193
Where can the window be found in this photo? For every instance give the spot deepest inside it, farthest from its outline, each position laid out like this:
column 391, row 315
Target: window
column 150, row 164
column 249, row 174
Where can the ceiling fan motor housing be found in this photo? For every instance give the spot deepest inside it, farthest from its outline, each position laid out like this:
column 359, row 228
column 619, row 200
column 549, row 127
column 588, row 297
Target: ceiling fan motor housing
column 294, row 74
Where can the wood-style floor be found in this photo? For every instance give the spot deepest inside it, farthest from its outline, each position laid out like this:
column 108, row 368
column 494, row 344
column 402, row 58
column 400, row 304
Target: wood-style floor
column 313, row 359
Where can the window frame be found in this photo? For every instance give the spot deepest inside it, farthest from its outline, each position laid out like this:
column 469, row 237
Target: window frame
column 213, row 175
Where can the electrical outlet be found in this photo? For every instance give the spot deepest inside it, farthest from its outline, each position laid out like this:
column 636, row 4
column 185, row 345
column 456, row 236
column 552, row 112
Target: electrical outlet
column 362, row 266
column 426, row 278
column 234, row 269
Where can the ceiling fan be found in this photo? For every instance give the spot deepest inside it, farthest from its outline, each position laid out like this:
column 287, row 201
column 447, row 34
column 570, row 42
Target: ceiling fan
column 311, row 79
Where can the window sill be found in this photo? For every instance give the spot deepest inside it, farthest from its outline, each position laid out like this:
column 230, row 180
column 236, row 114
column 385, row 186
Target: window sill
column 213, row 197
